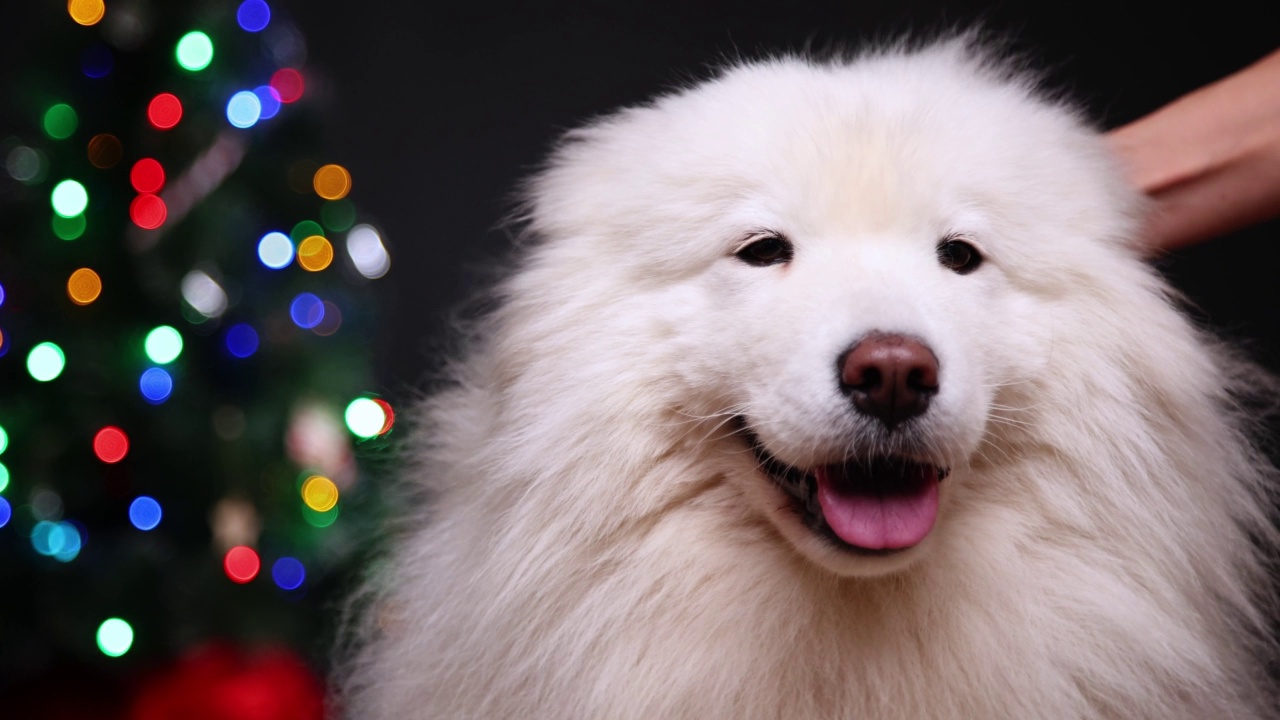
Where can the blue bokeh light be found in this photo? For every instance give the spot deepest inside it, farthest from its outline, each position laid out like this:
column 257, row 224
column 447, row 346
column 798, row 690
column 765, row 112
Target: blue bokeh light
column 244, row 109
column 97, row 61
column 156, row 385
column 307, row 311
column 59, row 540
column 253, row 15
column 1, row 294
column 6, row 512
column 275, row 250
column 270, row 100
column 145, row 513
column 288, row 573
column 242, row 340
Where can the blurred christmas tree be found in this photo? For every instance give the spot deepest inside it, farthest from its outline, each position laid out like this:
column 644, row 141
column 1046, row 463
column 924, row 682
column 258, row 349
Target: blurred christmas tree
column 185, row 428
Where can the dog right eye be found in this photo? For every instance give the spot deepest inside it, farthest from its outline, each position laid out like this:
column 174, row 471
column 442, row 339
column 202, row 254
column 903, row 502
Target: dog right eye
column 767, row 250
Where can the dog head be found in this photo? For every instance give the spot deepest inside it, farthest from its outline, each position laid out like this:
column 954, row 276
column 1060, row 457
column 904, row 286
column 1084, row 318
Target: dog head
column 847, row 264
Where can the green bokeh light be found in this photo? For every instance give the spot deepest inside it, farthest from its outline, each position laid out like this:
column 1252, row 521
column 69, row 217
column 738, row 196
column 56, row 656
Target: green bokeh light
column 163, row 345
column 69, row 198
column 60, row 121
column 4, row 477
column 304, row 230
column 68, row 228
column 46, row 361
column 320, row 519
column 338, row 215
column 365, row 418
column 115, row 637
column 194, row 51
column 4, row 440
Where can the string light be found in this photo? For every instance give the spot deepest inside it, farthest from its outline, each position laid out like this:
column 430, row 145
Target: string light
column 164, row 111
column 242, row 340
column 4, row 349
column 305, row 229
column 331, row 322
column 69, row 198
column 332, row 182
column 86, row 12
column 84, row 286
column 4, row 481
column 243, row 109
column 6, row 512
column 145, row 513
column 59, row 540
column 1, row 294
column 68, row 228
column 338, row 215
column 241, row 564
column 269, row 99
column 156, row 385
column 4, row 443
column 115, row 637
column 288, row 84
column 147, row 175
column 253, row 15
column 60, row 121
column 194, row 51
column 110, row 445
column 367, row 253
column 389, row 412
column 148, row 211
column 315, row 253
column 319, row 493
column 306, row 311
column 97, row 61
column 163, row 344
column 24, row 164
column 105, row 150
column 204, row 294
column 275, row 250
column 45, row 361
column 288, row 573
column 319, row 519
column 365, row 418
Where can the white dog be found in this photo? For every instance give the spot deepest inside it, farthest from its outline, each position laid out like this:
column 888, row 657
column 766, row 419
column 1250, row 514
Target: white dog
column 832, row 390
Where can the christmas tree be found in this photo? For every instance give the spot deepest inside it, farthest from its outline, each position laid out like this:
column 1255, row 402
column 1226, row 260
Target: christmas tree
column 188, row 439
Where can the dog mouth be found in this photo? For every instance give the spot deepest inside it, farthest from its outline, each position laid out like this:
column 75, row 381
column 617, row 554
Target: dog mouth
column 866, row 505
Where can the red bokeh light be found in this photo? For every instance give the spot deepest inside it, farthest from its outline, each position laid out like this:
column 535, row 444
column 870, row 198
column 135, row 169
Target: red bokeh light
column 241, row 564
column 391, row 414
column 164, row 111
column 110, row 444
column 147, row 175
column 148, row 211
column 288, row 84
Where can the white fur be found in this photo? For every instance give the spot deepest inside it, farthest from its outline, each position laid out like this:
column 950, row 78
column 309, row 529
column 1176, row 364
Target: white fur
column 599, row 543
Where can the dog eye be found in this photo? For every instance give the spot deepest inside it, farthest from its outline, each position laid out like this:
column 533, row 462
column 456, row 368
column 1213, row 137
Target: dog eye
column 768, row 250
column 959, row 256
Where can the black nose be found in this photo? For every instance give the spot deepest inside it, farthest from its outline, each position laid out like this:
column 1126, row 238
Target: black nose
column 889, row 377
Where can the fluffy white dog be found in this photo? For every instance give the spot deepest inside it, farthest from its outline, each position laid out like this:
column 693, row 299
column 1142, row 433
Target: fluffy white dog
column 832, row 390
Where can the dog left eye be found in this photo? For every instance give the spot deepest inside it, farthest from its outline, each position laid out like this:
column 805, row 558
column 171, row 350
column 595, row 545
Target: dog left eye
column 768, row 250
column 959, row 256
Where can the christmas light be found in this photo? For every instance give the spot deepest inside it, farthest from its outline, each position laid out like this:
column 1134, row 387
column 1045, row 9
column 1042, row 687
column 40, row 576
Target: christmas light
column 148, row 211
column 4, row 481
column 305, row 229
column 1, row 295
column 243, row 109
column 288, row 84
column 97, row 61
column 367, row 253
column 332, row 182
column 269, row 99
column 331, row 322
column 194, row 51
column 145, row 513
column 156, row 385
column 59, row 540
column 68, row 228
column 69, row 198
column 275, row 250
column 242, row 340
column 204, row 294
column 110, row 445
column 24, row 164
column 365, row 418
column 319, row 493
column 4, row 349
column 86, row 12
column 319, row 519
column 164, row 111
column 115, row 637
column 147, row 175
column 288, row 573
column 4, row 442
column 163, row 344
column 306, row 311
column 253, row 15
column 6, row 512
column 338, row 215
column 84, row 286
column 315, row 253
column 105, row 150
column 241, row 564
column 390, row 413
column 60, row 121
column 45, row 361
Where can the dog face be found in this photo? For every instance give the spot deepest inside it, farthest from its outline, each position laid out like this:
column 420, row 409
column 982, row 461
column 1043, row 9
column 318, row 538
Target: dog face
column 852, row 264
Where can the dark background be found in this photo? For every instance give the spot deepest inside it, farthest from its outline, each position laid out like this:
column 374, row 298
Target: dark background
column 439, row 110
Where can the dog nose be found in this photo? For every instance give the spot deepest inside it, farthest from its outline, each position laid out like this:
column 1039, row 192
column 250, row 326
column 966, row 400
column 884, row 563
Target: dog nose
column 889, row 377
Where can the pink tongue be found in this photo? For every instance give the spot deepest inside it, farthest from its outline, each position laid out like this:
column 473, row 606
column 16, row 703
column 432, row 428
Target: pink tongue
column 880, row 513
